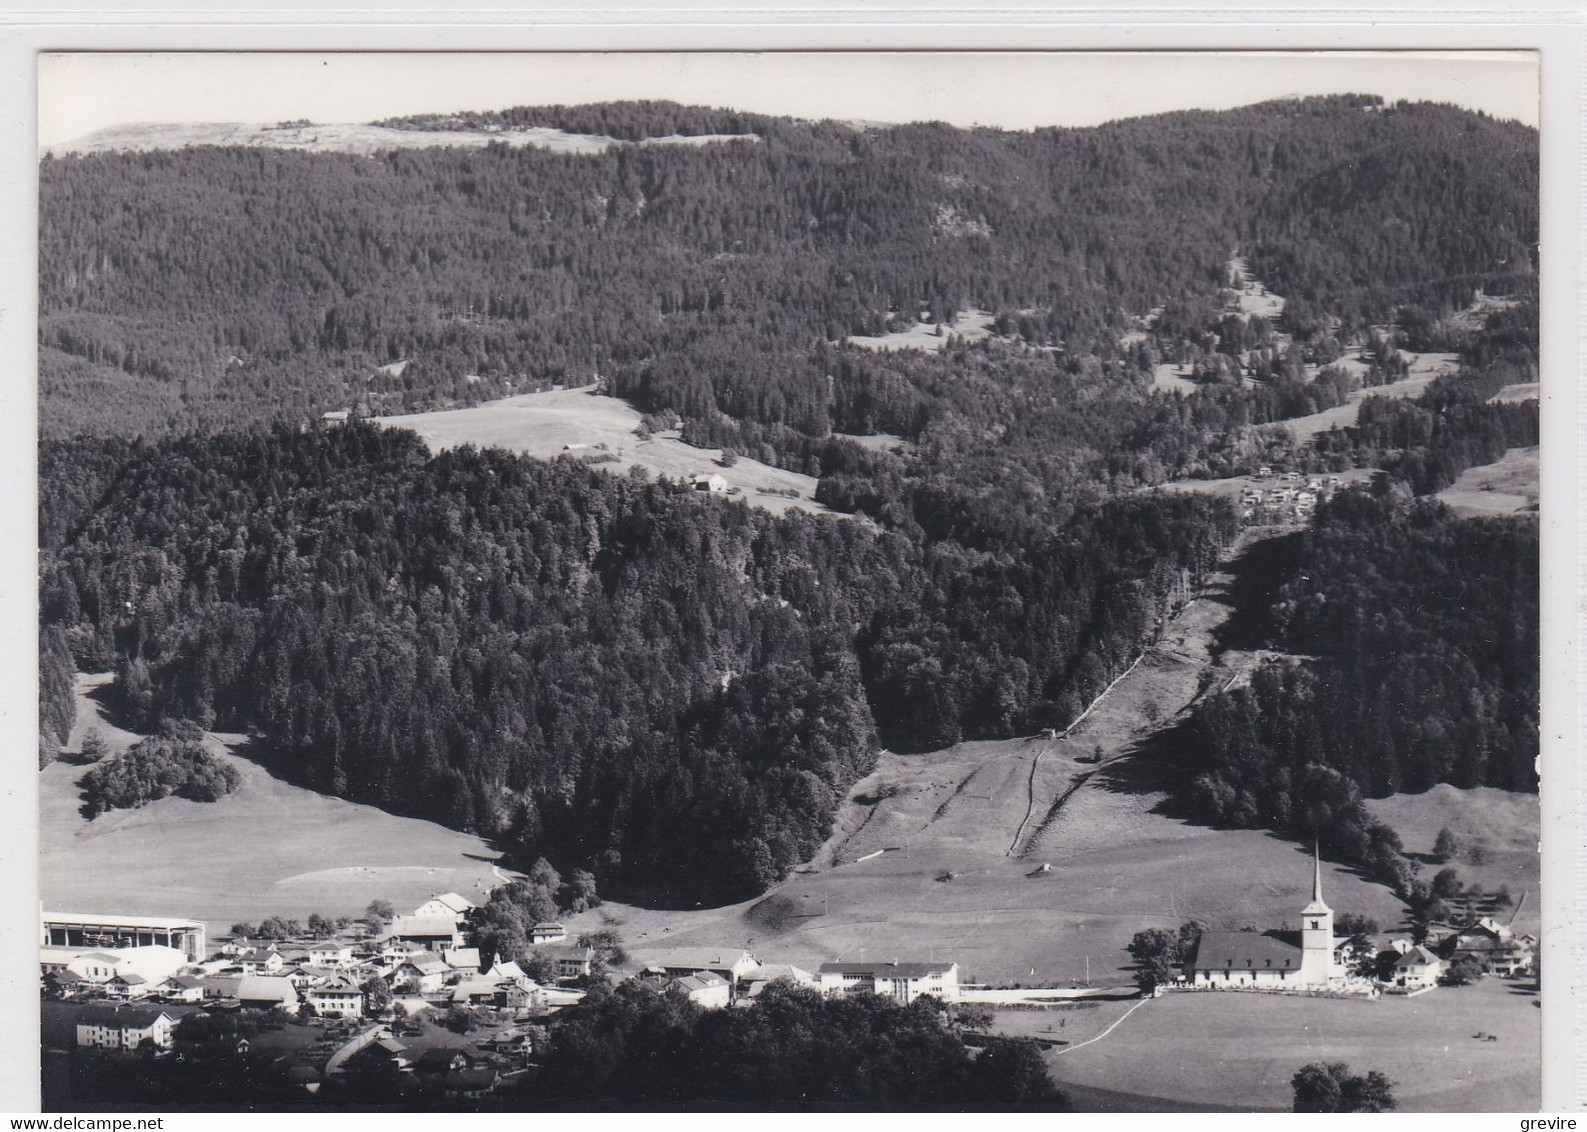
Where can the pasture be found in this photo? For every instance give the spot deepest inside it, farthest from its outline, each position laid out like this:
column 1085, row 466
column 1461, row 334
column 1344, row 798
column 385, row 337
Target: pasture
column 579, row 423
column 347, row 137
column 940, row 855
column 1504, row 826
column 1189, row 1051
column 1424, row 368
column 1508, row 485
column 270, row 848
column 1521, row 391
column 971, row 325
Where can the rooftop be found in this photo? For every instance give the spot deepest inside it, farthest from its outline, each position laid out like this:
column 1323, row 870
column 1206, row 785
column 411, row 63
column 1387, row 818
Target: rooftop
column 108, row 920
column 888, row 970
column 1245, row 950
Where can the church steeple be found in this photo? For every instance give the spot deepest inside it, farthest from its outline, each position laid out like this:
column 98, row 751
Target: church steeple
column 1317, row 907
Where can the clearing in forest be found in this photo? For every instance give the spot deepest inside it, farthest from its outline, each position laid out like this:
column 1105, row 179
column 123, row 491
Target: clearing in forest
column 1508, row 485
column 584, row 425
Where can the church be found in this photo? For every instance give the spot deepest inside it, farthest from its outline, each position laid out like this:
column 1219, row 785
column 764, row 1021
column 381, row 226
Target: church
column 1276, row 960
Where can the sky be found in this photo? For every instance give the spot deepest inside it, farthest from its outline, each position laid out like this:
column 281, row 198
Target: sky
column 84, row 92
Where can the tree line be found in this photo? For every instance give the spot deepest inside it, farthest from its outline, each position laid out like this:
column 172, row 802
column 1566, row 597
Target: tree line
column 671, row 691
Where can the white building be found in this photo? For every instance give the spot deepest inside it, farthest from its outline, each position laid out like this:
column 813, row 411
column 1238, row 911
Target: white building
column 1252, row 959
column 446, row 904
column 124, row 1027
column 336, row 998
column 903, row 982
column 113, row 933
column 1418, row 968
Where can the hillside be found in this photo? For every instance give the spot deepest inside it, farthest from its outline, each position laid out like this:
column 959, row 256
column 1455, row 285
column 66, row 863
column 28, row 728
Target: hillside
column 269, row 849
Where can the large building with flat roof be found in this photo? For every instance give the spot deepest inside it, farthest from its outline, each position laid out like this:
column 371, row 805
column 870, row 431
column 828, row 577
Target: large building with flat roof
column 105, row 931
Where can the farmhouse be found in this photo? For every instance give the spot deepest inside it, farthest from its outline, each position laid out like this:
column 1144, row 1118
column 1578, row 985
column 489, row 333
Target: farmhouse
column 1249, row 959
column 711, row 483
column 437, row 931
column 258, row 962
column 446, row 904
column 1495, row 946
column 268, row 992
column 771, row 972
column 124, row 1027
column 181, row 988
column 572, row 962
column 903, row 982
column 463, row 960
column 679, row 962
column 422, row 973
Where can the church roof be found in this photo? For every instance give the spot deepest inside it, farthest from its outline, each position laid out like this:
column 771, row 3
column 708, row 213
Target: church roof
column 1245, row 951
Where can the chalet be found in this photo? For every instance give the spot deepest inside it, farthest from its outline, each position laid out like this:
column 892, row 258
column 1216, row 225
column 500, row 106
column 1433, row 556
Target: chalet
column 181, row 988
column 462, row 960
column 1417, row 968
column 712, row 483
column 446, row 904
column 124, row 1027
column 478, row 991
column 336, row 417
column 547, row 933
column 129, row 985
column 706, row 989
column 337, row 998
column 507, row 970
column 1495, row 946
column 257, row 962
column 731, row 964
column 268, row 992
column 903, row 982
column 422, row 974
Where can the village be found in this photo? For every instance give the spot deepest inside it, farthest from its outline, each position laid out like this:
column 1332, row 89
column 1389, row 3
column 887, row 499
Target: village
column 407, row 1005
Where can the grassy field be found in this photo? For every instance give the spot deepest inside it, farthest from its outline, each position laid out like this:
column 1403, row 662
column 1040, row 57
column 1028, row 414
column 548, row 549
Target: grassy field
column 1424, row 368
column 1504, row 826
column 940, row 855
column 970, row 325
column 1501, row 488
column 269, row 849
column 1238, row 1052
column 545, row 425
column 1521, row 391
column 348, row 138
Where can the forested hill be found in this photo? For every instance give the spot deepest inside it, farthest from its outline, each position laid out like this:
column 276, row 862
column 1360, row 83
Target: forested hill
column 211, row 286
column 678, row 691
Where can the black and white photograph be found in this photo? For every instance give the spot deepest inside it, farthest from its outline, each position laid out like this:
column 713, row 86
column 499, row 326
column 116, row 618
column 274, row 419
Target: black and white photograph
column 922, row 581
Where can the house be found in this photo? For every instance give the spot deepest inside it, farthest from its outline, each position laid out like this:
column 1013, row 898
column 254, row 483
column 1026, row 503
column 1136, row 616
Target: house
column 339, row 997
column 129, row 985
column 731, row 964
column 1252, row 960
column 124, row 1027
column 547, row 933
column 446, row 904
column 572, row 962
column 336, row 416
column 462, row 960
column 331, row 954
column 421, row 973
column 268, row 992
column 1417, row 968
column 903, row 982
column 1495, row 946
column 257, row 962
column 712, row 483
column 478, row 991
column 181, row 988
column 708, row 989
column 507, row 970
column 431, row 931
column 394, row 951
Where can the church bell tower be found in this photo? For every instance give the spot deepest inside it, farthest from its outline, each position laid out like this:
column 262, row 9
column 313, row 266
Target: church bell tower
column 1316, row 932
